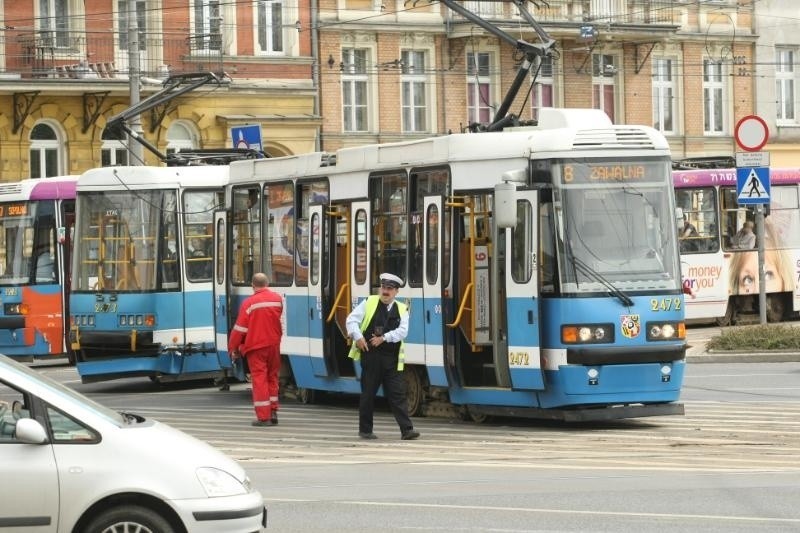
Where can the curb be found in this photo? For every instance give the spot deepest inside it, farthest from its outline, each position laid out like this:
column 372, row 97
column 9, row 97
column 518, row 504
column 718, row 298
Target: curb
column 743, row 357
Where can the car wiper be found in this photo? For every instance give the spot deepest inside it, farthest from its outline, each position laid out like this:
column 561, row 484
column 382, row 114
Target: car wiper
column 592, row 273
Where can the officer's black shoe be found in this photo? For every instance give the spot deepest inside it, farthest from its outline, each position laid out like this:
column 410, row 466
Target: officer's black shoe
column 274, row 419
column 411, row 434
column 259, row 423
column 368, row 436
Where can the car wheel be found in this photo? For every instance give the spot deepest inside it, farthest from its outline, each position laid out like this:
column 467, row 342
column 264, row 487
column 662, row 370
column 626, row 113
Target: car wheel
column 129, row 518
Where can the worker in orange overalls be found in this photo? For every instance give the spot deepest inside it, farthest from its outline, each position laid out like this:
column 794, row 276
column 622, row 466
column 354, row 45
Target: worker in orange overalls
column 257, row 337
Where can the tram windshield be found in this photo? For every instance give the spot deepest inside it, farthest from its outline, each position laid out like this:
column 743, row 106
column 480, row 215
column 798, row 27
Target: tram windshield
column 126, row 241
column 27, row 243
column 616, row 225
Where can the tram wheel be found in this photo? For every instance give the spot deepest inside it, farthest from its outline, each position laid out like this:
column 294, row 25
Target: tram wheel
column 775, row 307
column 415, row 391
column 474, row 416
column 727, row 318
column 306, row 396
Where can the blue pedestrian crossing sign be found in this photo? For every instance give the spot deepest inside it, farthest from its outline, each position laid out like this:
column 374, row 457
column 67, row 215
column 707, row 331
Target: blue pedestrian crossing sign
column 752, row 185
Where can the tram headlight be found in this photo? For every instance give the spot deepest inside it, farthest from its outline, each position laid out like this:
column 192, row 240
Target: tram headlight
column 587, row 334
column 666, row 331
column 16, row 309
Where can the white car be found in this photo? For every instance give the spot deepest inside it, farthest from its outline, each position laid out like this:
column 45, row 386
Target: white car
column 68, row 464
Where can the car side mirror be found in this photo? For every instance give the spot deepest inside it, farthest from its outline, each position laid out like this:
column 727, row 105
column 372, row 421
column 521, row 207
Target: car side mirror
column 30, row 431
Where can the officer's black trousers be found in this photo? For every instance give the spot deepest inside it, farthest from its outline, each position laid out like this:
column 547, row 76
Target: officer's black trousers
column 381, row 369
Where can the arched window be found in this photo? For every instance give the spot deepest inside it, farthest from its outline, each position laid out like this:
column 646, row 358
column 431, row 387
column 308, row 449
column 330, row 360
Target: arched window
column 114, row 151
column 46, row 152
column 181, row 136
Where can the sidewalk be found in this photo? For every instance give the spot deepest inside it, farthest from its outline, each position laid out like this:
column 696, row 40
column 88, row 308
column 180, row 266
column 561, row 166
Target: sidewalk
column 697, row 353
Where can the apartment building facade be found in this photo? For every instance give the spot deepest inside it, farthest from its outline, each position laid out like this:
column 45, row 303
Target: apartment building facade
column 65, row 69
column 393, row 69
column 777, row 77
column 324, row 74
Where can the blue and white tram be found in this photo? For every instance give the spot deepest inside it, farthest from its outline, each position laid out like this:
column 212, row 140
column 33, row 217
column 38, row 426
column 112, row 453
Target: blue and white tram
column 541, row 265
column 141, row 301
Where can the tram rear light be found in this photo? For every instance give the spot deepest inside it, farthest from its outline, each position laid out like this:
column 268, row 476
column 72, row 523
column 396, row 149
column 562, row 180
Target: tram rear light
column 16, row 309
column 150, row 320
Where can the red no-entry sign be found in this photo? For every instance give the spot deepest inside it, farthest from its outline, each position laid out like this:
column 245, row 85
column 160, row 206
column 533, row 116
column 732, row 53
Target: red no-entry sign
column 751, row 133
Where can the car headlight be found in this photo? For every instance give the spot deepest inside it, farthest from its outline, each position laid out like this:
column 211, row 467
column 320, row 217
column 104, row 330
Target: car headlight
column 219, row 483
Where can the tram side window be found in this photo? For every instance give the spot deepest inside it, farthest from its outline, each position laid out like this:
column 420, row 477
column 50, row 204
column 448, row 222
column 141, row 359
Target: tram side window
column 698, row 227
column 733, row 218
column 198, row 212
column 246, row 235
column 360, row 247
column 547, row 249
column 522, row 244
column 424, row 182
column 280, row 233
column 389, row 216
column 783, row 223
column 316, row 193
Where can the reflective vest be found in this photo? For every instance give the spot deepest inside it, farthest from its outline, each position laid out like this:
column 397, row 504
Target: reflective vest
column 369, row 312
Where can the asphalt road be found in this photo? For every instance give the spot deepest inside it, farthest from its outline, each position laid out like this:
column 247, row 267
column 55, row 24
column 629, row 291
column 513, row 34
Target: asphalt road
column 731, row 463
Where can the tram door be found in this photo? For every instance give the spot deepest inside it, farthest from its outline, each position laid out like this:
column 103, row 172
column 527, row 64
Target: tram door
column 316, row 232
column 522, row 295
column 220, row 287
column 433, row 252
column 360, row 267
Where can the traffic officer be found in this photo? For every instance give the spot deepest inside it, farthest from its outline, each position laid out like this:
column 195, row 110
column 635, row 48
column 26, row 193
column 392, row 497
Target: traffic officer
column 257, row 337
column 377, row 327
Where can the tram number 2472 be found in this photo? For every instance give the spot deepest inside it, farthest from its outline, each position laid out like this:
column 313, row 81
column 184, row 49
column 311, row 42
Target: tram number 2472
column 665, row 304
column 519, row 358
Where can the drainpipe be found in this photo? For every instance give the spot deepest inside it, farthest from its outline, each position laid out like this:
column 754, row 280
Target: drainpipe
column 315, row 68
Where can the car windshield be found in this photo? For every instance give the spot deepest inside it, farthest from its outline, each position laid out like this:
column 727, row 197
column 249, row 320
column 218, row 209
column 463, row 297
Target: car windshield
column 9, row 366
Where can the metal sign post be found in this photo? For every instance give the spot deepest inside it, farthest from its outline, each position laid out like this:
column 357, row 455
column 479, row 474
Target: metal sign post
column 753, row 187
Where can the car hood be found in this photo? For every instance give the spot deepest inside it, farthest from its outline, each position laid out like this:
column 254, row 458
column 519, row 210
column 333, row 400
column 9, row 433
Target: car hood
column 160, row 472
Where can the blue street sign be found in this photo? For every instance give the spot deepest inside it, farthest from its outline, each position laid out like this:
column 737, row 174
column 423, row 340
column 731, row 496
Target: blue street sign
column 752, row 185
column 247, row 137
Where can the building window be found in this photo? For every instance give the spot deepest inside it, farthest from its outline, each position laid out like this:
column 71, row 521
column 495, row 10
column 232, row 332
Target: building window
column 664, row 95
column 269, row 28
column 542, row 94
column 54, row 17
column 124, row 7
column 354, row 89
column 604, row 76
column 46, row 152
column 414, row 88
column 713, row 90
column 784, row 84
column 114, row 151
column 181, row 136
column 479, row 94
column 207, row 28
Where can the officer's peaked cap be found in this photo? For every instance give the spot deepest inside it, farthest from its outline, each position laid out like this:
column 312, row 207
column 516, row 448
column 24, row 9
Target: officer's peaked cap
column 391, row 279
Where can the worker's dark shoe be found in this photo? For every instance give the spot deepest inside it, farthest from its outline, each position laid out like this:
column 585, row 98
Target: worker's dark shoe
column 368, row 436
column 274, row 419
column 411, row 434
column 260, row 423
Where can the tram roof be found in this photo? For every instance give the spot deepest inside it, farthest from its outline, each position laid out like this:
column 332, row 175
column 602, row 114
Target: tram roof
column 147, row 177
column 560, row 133
column 39, row 189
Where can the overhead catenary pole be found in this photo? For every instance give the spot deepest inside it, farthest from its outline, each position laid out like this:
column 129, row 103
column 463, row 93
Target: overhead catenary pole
column 135, row 149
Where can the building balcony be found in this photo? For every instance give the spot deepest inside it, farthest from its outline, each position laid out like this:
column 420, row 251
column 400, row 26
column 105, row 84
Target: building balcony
column 616, row 16
column 60, row 55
